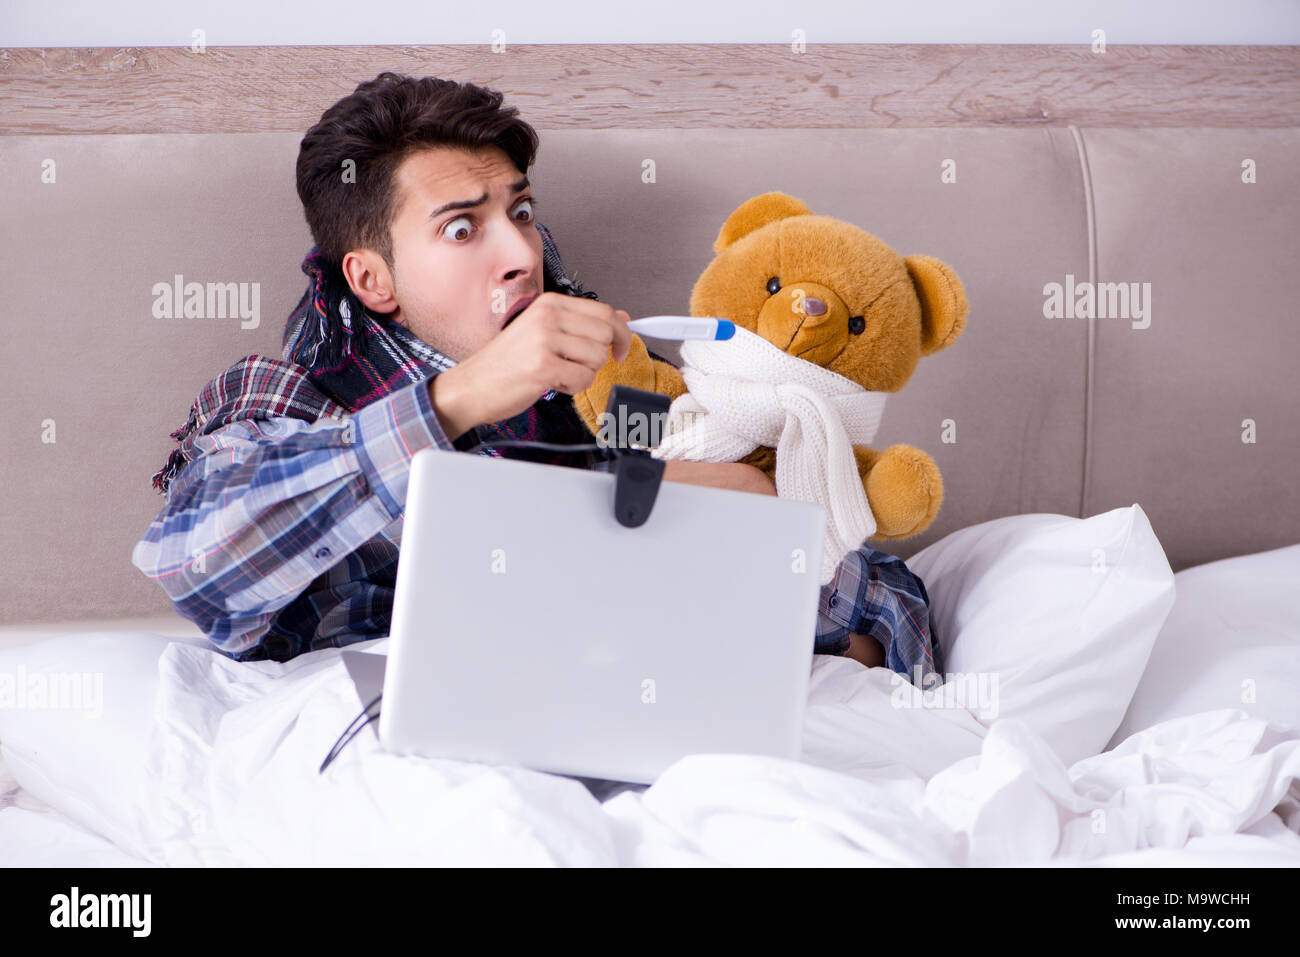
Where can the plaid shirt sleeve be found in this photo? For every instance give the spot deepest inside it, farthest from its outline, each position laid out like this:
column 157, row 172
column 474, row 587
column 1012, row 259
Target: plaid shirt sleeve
column 874, row 594
column 268, row 506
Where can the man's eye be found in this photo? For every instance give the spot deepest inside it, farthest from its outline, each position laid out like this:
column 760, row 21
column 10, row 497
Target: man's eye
column 458, row 219
column 526, row 204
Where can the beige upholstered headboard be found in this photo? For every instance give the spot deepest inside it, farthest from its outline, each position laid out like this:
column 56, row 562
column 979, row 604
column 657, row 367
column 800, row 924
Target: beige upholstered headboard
column 1192, row 411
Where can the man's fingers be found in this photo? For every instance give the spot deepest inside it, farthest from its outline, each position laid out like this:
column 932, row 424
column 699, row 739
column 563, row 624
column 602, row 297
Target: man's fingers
column 582, row 350
column 586, row 317
column 622, row 336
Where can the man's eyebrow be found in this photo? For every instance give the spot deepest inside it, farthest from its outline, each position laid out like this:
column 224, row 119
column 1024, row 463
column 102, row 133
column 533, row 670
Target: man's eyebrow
column 518, row 187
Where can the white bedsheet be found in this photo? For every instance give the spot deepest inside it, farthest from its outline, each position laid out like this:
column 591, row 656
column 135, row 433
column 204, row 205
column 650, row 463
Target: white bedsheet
column 236, row 749
column 32, row 834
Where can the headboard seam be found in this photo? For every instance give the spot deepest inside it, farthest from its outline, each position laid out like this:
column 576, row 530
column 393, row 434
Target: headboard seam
column 1090, row 360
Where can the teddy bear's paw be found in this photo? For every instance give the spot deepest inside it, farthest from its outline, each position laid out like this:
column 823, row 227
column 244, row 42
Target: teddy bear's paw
column 904, row 490
column 637, row 371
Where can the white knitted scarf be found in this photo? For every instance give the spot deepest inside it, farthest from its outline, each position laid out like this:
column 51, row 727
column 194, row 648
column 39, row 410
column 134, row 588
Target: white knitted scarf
column 744, row 392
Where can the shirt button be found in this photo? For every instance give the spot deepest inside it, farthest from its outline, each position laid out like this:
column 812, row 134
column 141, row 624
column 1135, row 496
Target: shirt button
column 323, row 553
column 831, row 603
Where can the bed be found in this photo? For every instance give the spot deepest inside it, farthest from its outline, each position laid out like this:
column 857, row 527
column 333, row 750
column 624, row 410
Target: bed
column 1116, row 559
column 186, row 758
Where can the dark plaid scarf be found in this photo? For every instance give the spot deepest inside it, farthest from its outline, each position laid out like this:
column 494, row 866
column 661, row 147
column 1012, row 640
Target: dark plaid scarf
column 339, row 358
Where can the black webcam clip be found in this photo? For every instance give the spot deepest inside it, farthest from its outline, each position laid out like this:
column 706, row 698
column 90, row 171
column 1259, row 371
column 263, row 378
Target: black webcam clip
column 637, row 474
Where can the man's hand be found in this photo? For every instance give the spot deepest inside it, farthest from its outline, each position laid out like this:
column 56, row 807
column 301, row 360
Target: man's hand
column 866, row 650
column 739, row 476
column 558, row 342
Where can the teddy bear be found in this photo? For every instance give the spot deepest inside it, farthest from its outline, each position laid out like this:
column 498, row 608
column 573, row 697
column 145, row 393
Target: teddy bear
column 831, row 293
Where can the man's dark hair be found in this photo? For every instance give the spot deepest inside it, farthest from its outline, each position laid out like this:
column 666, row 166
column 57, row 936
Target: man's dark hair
column 377, row 126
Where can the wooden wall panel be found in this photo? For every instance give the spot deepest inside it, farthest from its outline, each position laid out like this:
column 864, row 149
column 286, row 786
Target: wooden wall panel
column 635, row 86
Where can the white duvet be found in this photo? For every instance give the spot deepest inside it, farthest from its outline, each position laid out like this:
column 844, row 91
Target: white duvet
column 237, row 748
column 201, row 760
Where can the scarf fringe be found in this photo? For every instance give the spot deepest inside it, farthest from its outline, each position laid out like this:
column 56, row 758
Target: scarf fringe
column 178, row 459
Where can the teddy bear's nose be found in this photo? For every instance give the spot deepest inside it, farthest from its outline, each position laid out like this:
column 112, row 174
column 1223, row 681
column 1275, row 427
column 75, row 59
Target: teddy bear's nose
column 813, row 307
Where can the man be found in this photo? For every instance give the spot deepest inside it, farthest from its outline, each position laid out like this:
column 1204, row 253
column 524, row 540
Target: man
column 439, row 314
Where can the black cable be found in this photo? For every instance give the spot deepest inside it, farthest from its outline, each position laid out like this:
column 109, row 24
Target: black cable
column 350, row 732
column 545, row 446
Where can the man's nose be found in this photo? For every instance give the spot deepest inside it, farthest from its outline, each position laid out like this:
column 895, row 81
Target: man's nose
column 521, row 255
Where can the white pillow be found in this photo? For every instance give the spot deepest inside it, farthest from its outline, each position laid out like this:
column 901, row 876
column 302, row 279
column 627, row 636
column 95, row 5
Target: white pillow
column 1055, row 615
column 1232, row 641
column 87, row 756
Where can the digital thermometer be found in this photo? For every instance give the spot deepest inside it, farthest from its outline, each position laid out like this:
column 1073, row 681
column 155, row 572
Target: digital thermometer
column 683, row 327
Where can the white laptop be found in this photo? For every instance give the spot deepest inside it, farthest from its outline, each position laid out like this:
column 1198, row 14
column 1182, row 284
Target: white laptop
column 531, row 628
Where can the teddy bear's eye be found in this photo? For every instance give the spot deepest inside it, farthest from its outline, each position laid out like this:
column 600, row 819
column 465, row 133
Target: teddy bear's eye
column 857, row 324
column 773, row 286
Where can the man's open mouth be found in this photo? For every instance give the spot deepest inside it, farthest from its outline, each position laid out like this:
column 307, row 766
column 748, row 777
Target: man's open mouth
column 517, row 309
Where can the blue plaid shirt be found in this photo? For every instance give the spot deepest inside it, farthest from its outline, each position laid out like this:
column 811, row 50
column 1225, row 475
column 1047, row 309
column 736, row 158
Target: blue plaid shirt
column 281, row 536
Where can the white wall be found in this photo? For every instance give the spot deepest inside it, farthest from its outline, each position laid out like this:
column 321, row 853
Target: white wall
column 105, row 23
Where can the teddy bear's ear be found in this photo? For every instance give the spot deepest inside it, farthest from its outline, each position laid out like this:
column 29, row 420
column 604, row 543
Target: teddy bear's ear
column 756, row 212
column 943, row 302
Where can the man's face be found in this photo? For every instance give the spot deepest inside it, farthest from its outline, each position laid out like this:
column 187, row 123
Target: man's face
column 459, row 272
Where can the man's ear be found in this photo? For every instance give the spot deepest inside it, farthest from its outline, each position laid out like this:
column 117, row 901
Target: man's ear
column 371, row 281
column 943, row 302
